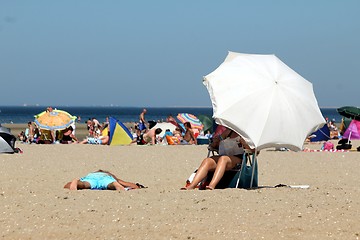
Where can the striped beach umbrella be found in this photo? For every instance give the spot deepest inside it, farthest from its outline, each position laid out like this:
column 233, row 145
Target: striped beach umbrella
column 192, row 119
column 54, row 120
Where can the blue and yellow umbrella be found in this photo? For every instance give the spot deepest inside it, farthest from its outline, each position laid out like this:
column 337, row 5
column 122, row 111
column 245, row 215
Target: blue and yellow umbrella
column 54, row 120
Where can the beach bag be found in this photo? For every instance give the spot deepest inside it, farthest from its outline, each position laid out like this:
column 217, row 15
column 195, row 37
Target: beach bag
column 327, row 146
column 345, row 146
column 172, row 140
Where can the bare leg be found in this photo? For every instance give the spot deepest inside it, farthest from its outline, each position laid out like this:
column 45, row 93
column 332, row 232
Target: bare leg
column 76, row 184
column 224, row 163
column 208, row 164
column 83, row 185
column 85, row 141
column 115, row 186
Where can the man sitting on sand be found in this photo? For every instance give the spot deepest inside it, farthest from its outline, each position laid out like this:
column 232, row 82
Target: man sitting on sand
column 149, row 137
column 101, row 180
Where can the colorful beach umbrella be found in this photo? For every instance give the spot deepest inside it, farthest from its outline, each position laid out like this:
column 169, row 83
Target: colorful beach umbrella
column 192, row 119
column 54, row 120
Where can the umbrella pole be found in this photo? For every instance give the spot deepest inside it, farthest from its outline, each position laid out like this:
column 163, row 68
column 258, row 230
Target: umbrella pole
column 349, row 137
column 254, row 160
column 241, row 168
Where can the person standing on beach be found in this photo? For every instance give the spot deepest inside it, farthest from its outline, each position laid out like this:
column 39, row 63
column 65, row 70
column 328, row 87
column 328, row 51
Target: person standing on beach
column 142, row 122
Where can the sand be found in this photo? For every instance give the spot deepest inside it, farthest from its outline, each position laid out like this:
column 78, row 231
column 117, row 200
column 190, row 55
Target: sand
column 34, row 204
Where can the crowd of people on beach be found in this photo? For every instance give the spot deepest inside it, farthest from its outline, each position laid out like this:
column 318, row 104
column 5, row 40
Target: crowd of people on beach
column 143, row 133
column 228, row 157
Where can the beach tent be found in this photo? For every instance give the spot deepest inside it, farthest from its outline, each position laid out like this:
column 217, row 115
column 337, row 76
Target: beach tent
column 119, row 133
column 353, row 131
column 322, row 134
column 7, row 140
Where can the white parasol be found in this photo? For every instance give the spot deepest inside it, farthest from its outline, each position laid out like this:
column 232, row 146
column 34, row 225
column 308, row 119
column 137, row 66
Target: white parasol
column 263, row 100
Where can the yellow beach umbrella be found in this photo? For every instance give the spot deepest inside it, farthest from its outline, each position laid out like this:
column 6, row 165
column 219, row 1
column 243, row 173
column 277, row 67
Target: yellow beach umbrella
column 54, row 120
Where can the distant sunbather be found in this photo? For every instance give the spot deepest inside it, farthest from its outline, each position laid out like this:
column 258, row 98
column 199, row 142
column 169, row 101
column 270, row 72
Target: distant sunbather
column 101, row 180
column 101, row 140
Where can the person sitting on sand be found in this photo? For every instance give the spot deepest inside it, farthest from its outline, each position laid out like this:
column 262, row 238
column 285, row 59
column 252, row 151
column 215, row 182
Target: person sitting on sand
column 149, row 137
column 229, row 156
column 21, row 136
column 90, row 127
column 177, row 133
column 101, row 140
column 29, row 133
column 189, row 137
column 101, row 180
column 68, row 136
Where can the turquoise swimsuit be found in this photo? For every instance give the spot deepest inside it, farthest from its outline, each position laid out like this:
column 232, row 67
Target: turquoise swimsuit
column 92, row 140
column 98, row 180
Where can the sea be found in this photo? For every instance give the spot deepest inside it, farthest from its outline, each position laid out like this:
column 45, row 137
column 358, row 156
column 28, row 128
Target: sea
column 24, row 114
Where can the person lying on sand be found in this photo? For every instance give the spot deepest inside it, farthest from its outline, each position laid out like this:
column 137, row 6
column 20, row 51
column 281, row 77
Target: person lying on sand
column 101, row 140
column 101, row 180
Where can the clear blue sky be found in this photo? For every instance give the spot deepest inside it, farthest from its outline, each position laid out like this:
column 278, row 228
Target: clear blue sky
column 155, row 53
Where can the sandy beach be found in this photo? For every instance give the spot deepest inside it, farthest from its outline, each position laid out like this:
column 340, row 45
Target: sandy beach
column 34, row 204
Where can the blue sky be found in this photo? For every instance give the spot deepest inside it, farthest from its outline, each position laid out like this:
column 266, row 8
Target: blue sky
column 155, row 53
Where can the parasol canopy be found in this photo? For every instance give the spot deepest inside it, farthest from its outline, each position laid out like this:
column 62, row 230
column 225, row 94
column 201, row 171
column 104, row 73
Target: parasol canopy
column 164, row 126
column 349, row 112
column 192, row 119
column 263, row 100
column 54, row 120
column 207, row 123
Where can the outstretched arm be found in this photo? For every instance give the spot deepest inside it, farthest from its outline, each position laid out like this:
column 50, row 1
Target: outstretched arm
column 124, row 183
column 127, row 184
